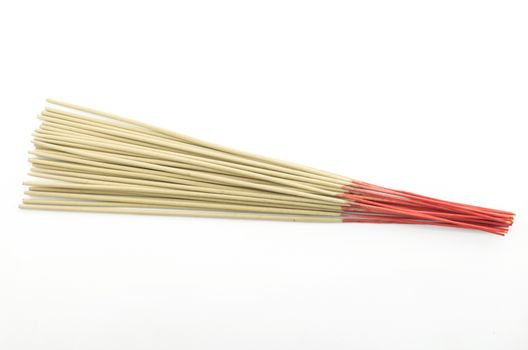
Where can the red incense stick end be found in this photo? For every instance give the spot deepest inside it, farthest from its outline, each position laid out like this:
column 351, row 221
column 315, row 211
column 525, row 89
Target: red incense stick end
column 371, row 203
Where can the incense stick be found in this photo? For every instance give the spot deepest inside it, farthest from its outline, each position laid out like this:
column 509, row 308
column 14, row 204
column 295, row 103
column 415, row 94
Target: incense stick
column 95, row 161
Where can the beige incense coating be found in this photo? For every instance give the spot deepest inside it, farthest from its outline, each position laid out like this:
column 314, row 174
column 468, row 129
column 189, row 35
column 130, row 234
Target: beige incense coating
column 166, row 212
column 144, row 151
column 103, row 161
column 128, row 197
column 138, row 139
column 199, row 142
column 199, row 175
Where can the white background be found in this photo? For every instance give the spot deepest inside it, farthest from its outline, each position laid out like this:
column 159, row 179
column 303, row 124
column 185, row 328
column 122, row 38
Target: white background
column 428, row 96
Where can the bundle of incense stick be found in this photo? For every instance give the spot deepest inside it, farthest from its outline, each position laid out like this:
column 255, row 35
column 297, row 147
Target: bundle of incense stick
column 93, row 161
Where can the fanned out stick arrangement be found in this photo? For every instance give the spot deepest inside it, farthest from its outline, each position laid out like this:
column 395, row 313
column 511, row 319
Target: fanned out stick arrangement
column 92, row 161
